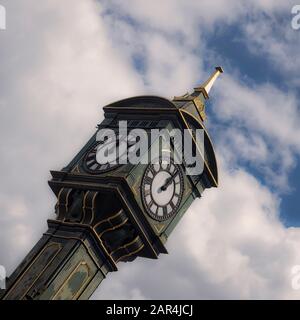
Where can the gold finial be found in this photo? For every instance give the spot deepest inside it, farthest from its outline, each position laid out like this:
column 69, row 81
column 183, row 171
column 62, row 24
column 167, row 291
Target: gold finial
column 199, row 96
column 206, row 86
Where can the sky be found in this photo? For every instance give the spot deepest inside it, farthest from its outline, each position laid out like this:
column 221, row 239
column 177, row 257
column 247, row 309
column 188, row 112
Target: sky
column 62, row 61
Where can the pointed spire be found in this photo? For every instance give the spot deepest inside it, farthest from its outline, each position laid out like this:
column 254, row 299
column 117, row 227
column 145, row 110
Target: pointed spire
column 198, row 97
column 207, row 85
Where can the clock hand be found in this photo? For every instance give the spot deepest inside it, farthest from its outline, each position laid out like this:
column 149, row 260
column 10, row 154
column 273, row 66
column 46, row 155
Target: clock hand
column 167, row 182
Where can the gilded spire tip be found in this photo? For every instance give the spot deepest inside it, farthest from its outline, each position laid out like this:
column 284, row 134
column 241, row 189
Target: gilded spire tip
column 207, row 85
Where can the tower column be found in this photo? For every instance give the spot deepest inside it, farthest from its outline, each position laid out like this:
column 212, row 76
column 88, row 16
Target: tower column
column 68, row 263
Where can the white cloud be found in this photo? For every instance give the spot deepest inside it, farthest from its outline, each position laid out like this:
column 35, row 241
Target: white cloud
column 269, row 36
column 263, row 127
column 56, row 76
column 251, row 148
column 183, row 15
column 263, row 108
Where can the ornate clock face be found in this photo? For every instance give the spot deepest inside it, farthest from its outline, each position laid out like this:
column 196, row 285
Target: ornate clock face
column 114, row 144
column 162, row 188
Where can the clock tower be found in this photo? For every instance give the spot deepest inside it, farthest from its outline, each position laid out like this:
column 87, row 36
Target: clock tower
column 115, row 211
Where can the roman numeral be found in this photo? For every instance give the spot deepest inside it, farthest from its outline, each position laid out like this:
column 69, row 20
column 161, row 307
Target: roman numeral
column 147, row 192
column 165, row 211
column 92, row 163
column 152, row 170
column 150, row 203
column 90, row 157
column 175, row 173
column 148, row 180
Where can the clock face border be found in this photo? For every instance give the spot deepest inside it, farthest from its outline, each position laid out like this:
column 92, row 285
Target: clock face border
column 174, row 210
column 97, row 171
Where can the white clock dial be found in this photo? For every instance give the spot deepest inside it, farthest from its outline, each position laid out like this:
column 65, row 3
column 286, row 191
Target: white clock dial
column 162, row 188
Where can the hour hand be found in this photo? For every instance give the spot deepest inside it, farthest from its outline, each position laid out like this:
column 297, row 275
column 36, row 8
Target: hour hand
column 167, row 182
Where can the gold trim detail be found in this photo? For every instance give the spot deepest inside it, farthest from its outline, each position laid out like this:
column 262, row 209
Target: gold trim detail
column 62, row 215
column 61, row 288
column 93, row 207
column 137, row 222
column 123, row 200
column 75, row 238
column 89, row 206
column 76, row 169
column 84, row 207
column 87, row 249
column 109, row 218
column 113, row 228
column 206, row 164
column 159, row 228
column 125, row 245
column 132, row 253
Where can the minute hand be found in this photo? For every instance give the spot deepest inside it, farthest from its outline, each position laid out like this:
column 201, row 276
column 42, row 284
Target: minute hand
column 168, row 182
